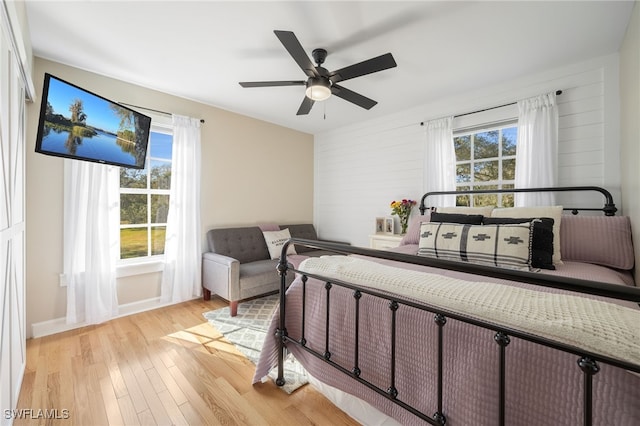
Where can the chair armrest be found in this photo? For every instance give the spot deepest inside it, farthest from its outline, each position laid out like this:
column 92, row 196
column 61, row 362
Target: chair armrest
column 219, row 258
column 221, row 275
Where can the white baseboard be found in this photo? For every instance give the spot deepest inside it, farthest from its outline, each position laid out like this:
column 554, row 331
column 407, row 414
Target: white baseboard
column 59, row 325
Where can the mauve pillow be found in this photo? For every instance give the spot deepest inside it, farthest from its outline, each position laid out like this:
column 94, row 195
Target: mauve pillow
column 602, row 240
column 413, row 230
column 267, row 227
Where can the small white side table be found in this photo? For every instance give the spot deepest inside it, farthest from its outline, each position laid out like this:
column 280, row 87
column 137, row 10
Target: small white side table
column 384, row 241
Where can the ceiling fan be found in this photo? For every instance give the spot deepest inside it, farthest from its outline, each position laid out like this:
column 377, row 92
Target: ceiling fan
column 322, row 83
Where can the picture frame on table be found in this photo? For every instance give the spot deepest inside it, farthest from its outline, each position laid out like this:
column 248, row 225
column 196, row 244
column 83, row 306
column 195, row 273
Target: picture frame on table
column 389, row 225
column 380, row 225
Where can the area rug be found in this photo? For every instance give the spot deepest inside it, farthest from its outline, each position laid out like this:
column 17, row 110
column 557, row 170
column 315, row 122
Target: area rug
column 247, row 332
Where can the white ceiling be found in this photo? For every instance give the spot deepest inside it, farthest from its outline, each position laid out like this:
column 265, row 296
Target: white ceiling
column 200, row 50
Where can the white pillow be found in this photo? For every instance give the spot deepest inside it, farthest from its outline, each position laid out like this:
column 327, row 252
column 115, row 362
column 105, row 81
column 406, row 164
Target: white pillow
column 275, row 240
column 554, row 212
column 484, row 211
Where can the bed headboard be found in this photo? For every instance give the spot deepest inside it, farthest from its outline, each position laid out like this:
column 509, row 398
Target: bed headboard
column 609, row 207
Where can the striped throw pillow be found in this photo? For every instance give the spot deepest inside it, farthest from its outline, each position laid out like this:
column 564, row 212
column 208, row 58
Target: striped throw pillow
column 504, row 245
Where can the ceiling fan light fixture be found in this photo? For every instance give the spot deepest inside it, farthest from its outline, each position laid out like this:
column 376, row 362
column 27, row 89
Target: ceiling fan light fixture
column 318, row 89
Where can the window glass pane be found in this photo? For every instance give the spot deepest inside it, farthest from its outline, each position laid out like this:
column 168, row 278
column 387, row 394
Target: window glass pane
column 484, row 171
column 509, row 169
column 133, row 178
column 485, row 199
column 159, row 208
column 160, row 146
column 133, row 243
column 509, row 140
column 149, row 203
column 133, row 208
column 462, row 145
column 463, row 200
column 160, row 174
column 485, row 144
column 157, row 239
column 507, row 199
column 487, row 168
column 463, row 173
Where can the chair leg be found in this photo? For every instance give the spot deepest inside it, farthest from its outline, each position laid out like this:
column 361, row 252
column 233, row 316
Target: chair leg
column 206, row 294
column 233, row 306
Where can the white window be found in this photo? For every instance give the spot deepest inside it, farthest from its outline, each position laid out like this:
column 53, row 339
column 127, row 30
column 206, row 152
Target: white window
column 144, row 200
column 486, row 159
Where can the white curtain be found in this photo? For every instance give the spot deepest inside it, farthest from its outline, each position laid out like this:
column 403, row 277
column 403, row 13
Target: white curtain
column 439, row 161
column 182, row 252
column 91, row 240
column 537, row 153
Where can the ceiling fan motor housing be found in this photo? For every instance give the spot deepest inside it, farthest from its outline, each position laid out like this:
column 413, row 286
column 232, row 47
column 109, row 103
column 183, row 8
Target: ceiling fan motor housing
column 319, row 55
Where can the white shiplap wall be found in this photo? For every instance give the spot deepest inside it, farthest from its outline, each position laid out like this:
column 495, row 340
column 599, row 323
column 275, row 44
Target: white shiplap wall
column 360, row 169
column 356, row 178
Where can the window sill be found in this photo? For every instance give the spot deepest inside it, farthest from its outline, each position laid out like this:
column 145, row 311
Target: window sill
column 139, row 267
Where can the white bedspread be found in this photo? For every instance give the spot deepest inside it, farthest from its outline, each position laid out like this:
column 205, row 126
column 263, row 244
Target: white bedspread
column 597, row 326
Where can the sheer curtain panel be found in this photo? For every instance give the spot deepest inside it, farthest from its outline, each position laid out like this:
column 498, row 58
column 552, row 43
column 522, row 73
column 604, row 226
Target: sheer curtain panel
column 440, row 161
column 182, row 251
column 91, row 240
column 537, row 153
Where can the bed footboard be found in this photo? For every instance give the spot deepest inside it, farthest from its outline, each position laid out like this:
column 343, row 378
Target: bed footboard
column 395, row 318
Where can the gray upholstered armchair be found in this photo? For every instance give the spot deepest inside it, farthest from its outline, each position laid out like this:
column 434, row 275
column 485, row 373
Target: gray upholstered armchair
column 238, row 265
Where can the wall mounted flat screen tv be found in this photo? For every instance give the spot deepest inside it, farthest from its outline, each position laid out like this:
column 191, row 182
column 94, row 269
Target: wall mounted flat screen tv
column 78, row 124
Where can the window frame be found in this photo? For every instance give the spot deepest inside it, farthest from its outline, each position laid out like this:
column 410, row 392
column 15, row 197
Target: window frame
column 150, row 262
column 494, row 184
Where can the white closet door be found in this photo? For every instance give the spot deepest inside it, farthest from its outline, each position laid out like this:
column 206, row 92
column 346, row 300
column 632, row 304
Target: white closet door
column 12, row 230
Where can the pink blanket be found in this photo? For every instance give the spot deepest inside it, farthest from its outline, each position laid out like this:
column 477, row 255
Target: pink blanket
column 544, row 386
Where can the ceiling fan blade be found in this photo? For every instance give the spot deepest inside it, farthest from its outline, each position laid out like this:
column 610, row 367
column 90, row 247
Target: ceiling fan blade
column 353, row 97
column 295, row 49
column 271, row 83
column 305, row 106
column 369, row 66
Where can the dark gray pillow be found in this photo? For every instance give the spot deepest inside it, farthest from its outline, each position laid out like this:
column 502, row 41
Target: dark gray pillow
column 465, row 219
column 304, row 231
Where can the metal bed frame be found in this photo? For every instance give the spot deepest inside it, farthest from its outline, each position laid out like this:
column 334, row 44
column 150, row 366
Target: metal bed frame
column 609, row 208
column 586, row 361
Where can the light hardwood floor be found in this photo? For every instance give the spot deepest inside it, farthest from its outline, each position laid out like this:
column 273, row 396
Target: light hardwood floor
column 167, row 367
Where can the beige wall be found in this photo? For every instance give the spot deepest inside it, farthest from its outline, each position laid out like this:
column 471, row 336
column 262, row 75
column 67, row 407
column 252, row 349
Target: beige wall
column 250, row 171
column 630, row 124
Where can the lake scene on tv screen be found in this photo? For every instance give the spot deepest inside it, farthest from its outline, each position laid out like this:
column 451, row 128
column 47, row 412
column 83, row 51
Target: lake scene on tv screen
column 81, row 125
